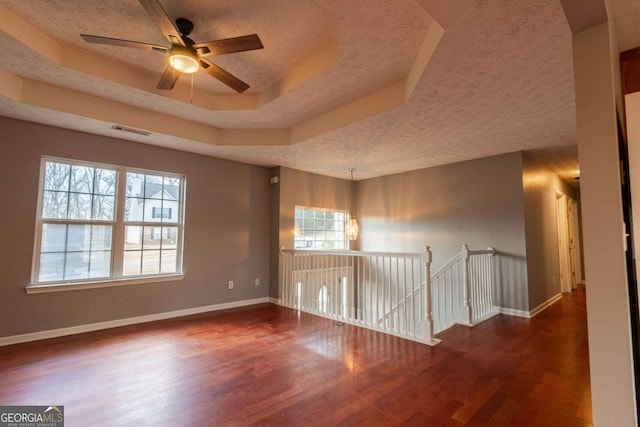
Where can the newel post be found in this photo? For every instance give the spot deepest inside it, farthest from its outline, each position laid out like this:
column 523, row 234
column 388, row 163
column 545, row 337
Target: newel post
column 466, row 286
column 428, row 319
column 282, row 275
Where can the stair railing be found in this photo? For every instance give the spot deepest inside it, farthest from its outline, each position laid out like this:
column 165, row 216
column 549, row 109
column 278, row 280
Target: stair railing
column 394, row 293
column 388, row 292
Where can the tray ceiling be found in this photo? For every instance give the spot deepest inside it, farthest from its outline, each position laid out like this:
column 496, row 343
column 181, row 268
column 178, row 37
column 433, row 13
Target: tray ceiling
column 381, row 86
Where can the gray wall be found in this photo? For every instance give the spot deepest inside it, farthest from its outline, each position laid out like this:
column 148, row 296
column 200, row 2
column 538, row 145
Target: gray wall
column 227, row 224
column 235, row 223
column 303, row 189
column 478, row 202
column 540, row 188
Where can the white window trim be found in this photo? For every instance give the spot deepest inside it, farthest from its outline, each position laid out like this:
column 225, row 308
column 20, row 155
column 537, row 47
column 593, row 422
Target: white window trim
column 346, row 213
column 117, row 236
column 75, row 286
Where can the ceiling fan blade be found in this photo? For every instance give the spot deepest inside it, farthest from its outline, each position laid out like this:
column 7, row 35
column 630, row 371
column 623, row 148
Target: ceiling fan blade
column 158, row 14
column 224, row 76
column 126, row 43
column 232, row 45
column 168, row 79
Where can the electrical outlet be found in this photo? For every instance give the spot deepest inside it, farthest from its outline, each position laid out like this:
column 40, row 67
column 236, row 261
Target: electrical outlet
column 257, row 281
column 230, row 284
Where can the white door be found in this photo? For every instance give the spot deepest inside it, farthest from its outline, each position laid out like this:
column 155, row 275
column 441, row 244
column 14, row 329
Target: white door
column 574, row 243
column 564, row 251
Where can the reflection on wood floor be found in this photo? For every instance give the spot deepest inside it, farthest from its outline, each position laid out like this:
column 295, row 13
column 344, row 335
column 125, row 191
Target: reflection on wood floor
column 268, row 365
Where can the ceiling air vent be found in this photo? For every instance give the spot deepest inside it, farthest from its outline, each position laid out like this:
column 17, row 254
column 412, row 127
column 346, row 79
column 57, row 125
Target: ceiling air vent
column 131, row 130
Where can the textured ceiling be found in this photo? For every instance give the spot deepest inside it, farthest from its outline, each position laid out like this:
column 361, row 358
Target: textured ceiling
column 498, row 79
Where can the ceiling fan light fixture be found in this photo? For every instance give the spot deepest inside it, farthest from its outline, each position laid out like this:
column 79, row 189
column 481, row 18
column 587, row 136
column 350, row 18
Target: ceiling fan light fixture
column 183, row 59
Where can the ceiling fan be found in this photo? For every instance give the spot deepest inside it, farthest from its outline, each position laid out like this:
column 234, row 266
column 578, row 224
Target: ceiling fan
column 185, row 55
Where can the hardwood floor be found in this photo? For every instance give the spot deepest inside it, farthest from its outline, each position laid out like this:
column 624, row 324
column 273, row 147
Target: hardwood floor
column 267, row 365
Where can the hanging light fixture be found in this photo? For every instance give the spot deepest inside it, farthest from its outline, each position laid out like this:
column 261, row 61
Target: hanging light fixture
column 351, row 228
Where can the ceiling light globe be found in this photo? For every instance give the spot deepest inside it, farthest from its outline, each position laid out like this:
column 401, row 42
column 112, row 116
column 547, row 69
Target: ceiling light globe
column 184, row 60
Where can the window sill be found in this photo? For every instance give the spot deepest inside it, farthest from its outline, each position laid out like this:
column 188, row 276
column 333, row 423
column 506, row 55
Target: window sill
column 61, row 287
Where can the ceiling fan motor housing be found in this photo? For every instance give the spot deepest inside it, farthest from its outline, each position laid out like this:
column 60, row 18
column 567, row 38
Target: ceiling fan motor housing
column 184, row 26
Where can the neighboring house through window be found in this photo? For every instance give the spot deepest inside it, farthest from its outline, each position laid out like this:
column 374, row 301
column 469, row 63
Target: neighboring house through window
column 164, row 213
column 99, row 222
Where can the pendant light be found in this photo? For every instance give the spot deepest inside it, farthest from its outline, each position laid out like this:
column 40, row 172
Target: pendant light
column 351, row 229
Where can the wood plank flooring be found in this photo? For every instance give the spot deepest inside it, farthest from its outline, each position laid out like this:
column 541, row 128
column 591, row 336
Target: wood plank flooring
column 268, row 365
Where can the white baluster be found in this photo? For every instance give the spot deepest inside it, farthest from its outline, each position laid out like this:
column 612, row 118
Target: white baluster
column 466, row 289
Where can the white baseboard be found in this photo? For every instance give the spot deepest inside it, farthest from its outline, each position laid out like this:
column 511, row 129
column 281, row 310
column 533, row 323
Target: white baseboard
column 274, row 300
column 546, row 304
column 517, row 313
column 53, row 333
column 529, row 314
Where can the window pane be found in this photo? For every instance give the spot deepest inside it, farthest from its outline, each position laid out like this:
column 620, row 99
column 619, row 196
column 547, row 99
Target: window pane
column 336, row 235
column 152, row 206
column 101, row 238
column 79, row 206
column 135, row 183
column 100, row 264
column 132, row 237
column 303, row 242
column 169, row 237
column 153, row 187
column 54, row 204
column 131, row 263
column 133, row 209
column 169, row 212
column 171, row 188
column 81, row 179
column 150, row 262
column 56, row 176
column 151, row 237
column 103, row 208
column 78, row 238
column 54, row 238
column 168, row 261
column 105, row 182
column 76, row 265
column 51, row 267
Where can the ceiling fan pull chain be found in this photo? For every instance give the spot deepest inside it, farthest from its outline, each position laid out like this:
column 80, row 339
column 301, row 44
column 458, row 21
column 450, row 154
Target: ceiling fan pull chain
column 192, row 89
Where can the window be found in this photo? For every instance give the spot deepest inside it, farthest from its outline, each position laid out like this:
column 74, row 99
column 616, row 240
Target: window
column 318, row 228
column 99, row 223
column 164, row 213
